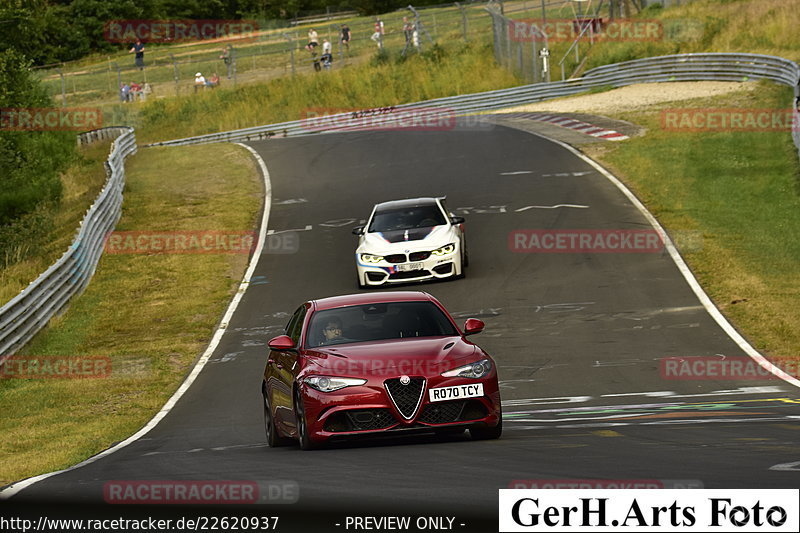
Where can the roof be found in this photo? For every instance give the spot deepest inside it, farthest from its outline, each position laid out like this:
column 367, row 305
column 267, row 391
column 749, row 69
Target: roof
column 408, row 202
column 370, row 298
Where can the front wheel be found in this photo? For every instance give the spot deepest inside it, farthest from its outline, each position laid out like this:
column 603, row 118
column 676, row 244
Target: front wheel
column 302, row 425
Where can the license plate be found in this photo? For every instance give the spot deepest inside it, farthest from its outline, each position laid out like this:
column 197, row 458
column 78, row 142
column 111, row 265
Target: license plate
column 455, row 393
column 409, row 266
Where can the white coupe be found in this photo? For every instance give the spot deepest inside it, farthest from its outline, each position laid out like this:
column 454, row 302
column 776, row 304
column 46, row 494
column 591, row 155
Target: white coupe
column 410, row 240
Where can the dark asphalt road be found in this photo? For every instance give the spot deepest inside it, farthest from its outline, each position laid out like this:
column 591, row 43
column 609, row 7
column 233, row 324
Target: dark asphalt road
column 578, row 337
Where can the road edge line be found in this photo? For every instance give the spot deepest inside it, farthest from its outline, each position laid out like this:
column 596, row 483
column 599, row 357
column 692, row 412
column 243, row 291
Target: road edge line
column 684, row 269
column 14, row 488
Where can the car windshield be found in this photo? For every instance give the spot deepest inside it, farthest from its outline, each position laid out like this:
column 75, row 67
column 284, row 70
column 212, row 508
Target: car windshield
column 417, row 216
column 378, row 321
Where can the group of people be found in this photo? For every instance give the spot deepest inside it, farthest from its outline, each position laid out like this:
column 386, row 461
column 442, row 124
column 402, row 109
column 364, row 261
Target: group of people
column 326, row 58
column 129, row 92
column 200, row 81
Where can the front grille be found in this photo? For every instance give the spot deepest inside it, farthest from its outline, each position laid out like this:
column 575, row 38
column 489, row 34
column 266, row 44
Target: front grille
column 455, row 411
column 359, row 420
column 411, row 274
column 406, row 398
column 396, row 258
column 419, row 256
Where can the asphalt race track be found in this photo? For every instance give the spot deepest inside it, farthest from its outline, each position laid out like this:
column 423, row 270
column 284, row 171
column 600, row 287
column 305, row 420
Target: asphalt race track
column 579, row 339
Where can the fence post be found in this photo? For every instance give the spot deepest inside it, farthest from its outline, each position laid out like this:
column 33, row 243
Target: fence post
column 63, row 87
column 176, row 74
column 233, row 64
column 463, row 20
column 291, row 50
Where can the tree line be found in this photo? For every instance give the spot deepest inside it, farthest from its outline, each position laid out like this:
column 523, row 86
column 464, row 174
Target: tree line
column 53, row 31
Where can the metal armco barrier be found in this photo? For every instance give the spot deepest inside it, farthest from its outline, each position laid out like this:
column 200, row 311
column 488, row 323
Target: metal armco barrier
column 681, row 67
column 28, row 312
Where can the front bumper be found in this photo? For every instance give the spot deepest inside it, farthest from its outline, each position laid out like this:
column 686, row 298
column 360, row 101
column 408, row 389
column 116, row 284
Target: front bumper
column 385, row 272
column 369, row 410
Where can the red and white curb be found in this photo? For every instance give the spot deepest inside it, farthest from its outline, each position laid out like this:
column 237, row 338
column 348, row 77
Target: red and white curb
column 577, row 125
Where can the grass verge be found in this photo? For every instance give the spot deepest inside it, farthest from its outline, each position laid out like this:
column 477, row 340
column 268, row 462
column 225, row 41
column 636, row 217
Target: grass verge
column 741, row 190
column 38, row 239
column 387, row 80
column 151, row 314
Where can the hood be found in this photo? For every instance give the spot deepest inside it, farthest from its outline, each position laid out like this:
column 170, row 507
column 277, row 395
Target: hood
column 415, row 238
column 391, row 358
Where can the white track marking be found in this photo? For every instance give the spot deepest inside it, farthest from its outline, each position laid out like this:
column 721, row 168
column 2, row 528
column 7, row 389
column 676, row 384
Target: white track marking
column 14, row 488
column 712, row 310
column 787, row 467
column 576, row 206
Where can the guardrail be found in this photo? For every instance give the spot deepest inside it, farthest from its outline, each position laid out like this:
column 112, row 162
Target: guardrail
column 28, row 312
column 681, row 67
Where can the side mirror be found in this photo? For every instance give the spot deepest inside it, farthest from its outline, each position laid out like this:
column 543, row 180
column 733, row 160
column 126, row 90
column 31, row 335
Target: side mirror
column 473, row 325
column 358, row 230
column 281, row 343
column 457, row 220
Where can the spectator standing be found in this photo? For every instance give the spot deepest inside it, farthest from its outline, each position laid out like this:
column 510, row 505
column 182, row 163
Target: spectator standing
column 378, row 35
column 345, row 38
column 226, row 58
column 138, row 48
column 408, row 29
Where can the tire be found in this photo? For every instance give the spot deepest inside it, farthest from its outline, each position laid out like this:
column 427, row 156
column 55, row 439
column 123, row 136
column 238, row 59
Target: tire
column 302, row 425
column 487, row 433
column 274, row 440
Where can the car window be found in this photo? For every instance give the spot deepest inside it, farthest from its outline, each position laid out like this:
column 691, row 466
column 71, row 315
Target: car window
column 381, row 321
column 295, row 325
column 422, row 216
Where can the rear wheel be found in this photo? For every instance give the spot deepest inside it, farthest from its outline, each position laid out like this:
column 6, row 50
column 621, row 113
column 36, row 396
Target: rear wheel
column 487, row 433
column 302, row 426
column 273, row 438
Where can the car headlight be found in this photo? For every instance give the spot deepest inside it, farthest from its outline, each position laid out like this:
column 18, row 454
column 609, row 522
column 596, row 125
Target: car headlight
column 369, row 258
column 330, row 384
column 444, row 250
column 473, row 370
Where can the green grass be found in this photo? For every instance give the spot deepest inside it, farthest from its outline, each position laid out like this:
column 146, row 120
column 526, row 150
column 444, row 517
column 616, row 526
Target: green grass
column 741, row 190
column 35, row 241
column 151, row 314
column 442, row 71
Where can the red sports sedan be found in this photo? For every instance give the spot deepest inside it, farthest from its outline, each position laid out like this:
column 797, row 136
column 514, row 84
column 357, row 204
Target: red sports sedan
column 377, row 363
